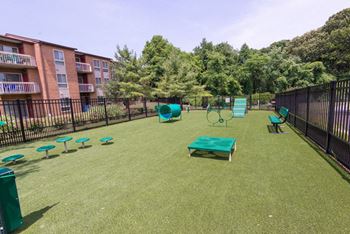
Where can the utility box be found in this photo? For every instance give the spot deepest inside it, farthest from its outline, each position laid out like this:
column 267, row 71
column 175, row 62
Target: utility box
column 10, row 210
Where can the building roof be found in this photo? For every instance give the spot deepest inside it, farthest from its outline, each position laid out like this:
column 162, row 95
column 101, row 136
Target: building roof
column 9, row 39
column 19, row 39
column 93, row 55
column 32, row 40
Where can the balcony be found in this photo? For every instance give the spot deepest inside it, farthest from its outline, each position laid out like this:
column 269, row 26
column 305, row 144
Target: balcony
column 83, row 67
column 14, row 60
column 19, row 88
column 86, row 88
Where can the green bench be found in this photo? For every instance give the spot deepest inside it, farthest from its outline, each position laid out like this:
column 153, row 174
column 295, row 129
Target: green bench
column 283, row 115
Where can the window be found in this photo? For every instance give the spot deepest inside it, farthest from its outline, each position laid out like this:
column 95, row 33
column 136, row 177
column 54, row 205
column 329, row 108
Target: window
column 11, row 77
column 97, row 65
column 98, row 80
column 10, row 49
column 62, row 81
column 105, row 66
column 77, row 59
column 59, row 57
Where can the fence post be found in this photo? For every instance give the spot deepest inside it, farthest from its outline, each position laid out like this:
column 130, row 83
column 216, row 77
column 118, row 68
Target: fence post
column 128, row 106
column 105, row 108
column 21, row 120
column 307, row 110
column 72, row 114
column 250, row 101
column 145, row 106
column 295, row 108
column 195, row 103
column 330, row 114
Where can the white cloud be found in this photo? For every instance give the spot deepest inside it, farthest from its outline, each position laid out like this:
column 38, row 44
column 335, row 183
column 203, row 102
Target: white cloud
column 274, row 20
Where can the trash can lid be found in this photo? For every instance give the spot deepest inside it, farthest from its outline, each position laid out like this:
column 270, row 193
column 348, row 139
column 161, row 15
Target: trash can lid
column 5, row 171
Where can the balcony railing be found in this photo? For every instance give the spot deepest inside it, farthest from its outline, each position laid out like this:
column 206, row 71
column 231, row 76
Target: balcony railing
column 83, row 67
column 19, row 88
column 8, row 59
column 86, row 88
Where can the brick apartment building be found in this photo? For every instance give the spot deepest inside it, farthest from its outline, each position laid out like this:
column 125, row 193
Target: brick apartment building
column 33, row 69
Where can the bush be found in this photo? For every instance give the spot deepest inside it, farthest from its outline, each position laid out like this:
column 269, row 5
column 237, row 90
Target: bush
column 114, row 111
column 36, row 127
column 60, row 124
column 264, row 98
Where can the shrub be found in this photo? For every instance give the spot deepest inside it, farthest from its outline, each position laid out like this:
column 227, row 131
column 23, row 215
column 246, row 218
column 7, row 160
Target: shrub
column 36, row 127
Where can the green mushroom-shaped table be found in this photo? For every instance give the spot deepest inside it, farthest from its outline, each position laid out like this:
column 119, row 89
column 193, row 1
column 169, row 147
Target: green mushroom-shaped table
column 46, row 148
column 12, row 158
column 82, row 140
column 64, row 140
column 106, row 140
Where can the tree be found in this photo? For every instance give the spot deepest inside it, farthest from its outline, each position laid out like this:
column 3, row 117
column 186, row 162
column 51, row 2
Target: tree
column 125, row 82
column 154, row 54
column 179, row 79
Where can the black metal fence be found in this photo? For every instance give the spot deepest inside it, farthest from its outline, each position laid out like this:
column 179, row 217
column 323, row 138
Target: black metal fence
column 322, row 113
column 33, row 119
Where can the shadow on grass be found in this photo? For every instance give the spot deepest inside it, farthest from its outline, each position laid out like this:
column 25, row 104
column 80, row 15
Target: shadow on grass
column 33, row 217
column 85, row 147
column 24, row 168
column 272, row 129
column 70, row 151
column 170, row 121
column 12, row 148
column 210, row 155
column 108, row 143
column 328, row 158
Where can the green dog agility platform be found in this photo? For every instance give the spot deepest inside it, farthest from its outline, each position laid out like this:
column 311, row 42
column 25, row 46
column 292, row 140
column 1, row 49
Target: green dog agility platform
column 213, row 144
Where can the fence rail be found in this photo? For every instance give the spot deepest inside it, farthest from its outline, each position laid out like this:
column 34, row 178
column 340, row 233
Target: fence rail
column 33, row 119
column 322, row 113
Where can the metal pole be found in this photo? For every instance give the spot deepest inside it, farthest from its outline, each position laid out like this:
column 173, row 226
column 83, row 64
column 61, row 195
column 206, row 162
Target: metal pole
column 128, row 106
column 295, row 108
column 72, row 113
column 332, row 90
column 21, row 120
column 307, row 110
column 145, row 106
column 106, row 113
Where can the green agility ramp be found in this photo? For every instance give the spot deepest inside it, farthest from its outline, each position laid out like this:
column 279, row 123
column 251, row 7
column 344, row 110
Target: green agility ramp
column 239, row 109
column 168, row 112
column 215, row 144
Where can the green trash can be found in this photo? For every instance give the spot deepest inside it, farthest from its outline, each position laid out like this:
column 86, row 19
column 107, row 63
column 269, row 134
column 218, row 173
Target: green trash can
column 10, row 210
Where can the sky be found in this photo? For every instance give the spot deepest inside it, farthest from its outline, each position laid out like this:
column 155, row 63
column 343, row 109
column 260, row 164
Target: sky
column 98, row 26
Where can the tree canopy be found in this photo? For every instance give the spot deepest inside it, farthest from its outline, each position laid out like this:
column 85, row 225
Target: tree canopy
column 163, row 70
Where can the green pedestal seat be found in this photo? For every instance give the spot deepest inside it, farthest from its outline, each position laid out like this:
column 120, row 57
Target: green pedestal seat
column 46, row 149
column 64, row 140
column 12, row 158
column 82, row 140
column 106, row 140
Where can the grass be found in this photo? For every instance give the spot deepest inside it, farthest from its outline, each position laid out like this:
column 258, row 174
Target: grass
column 145, row 183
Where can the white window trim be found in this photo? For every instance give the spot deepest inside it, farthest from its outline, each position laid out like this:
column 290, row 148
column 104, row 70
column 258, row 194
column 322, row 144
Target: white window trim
column 99, row 64
column 105, row 69
column 16, row 73
column 54, row 58
column 58, row 83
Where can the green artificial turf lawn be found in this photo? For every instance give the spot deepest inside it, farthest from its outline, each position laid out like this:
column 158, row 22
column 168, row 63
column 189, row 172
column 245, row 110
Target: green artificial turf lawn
column 145, row 182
